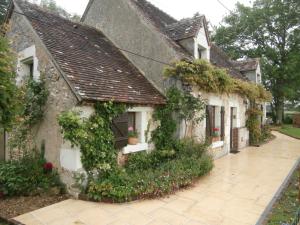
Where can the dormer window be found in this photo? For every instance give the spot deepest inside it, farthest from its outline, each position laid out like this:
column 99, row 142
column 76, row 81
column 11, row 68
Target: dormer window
column 28, row 67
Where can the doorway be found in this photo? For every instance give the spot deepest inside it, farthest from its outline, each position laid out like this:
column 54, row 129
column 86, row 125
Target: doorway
column 233, row 130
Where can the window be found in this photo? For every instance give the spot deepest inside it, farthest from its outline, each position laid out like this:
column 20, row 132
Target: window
column 215, row 123
column 132, row 120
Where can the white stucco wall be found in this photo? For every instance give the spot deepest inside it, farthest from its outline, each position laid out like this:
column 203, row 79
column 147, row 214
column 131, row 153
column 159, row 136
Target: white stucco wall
column 228, row 101
column 201, row 42
column 70, row 157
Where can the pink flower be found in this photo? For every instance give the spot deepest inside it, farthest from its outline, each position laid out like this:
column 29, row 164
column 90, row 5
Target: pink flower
column 130, row 129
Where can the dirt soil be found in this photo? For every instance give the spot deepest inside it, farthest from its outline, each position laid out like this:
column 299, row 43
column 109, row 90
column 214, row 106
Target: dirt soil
column 12, row 207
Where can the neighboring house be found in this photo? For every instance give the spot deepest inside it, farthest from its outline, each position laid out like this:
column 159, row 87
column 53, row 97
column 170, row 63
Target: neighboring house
column 82, row 65
column 149, row 31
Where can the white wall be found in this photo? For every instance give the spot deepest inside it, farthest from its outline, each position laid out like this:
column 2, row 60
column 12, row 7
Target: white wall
column 228, row 101
column 201, row 42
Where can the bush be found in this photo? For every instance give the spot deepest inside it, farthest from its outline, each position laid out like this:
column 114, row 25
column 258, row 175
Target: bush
column 28, row 176
column 153, row 175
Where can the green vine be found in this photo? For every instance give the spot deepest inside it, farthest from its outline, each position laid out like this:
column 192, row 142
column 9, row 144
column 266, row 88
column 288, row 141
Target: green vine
column 253, row 125
column 180, row 106
column 209, row 78
column 34, row 95
column 94, row 137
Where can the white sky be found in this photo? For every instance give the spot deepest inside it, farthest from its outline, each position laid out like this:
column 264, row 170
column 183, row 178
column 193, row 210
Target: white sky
column 179, row 9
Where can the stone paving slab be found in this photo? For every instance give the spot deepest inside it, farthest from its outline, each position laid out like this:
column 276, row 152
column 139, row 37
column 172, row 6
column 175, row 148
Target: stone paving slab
column 236, row 192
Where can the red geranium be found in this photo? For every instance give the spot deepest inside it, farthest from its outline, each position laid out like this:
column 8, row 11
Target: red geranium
column 216, row 129
column 48, row 167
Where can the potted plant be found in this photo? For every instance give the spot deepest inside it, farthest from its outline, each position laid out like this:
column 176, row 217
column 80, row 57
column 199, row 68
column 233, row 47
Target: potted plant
column 132, row 136
column 216, row 135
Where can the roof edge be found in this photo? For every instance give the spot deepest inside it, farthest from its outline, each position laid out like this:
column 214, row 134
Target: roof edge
column 36, row 36
column 87, row 9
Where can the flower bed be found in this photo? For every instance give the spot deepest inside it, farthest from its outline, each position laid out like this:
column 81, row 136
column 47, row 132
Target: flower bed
column 153, row 175
column 31, row 175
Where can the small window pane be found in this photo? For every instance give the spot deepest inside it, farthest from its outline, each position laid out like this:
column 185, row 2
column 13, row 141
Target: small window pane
column 131, row 120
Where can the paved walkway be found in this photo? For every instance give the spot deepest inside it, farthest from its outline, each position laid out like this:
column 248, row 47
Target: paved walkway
column 235, row 193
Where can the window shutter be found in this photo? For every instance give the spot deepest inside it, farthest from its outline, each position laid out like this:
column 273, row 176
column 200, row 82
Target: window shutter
column 222, row 123
column 120, row 130
column 209, row 122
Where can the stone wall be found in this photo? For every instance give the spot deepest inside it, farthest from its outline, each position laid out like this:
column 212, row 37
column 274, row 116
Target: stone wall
column 61, row 98
column 122, row 23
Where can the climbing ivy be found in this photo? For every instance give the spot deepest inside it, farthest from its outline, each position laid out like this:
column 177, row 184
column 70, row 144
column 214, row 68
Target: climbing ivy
column 180, row 106
column 94, row 137
column 209, row 78
column 33, row 96
column 254, row 125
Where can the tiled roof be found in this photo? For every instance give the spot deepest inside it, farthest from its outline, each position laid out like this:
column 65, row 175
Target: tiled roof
column 246, row 65
column 219, row 58
column 185, row 28
column 95, row 68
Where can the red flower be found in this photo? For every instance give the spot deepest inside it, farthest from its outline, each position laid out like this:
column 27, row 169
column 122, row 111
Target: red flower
column 1, row 194
column 48, row 167
column 216, row 129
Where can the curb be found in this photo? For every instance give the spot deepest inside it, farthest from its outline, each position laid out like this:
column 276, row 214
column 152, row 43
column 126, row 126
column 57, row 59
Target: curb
column 278, row 194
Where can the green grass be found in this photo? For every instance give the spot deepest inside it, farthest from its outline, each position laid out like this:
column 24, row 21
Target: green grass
column 285, row 208
column 290, row 131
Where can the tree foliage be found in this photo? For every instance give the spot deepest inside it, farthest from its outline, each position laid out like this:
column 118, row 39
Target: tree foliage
column 269, row 30
column 3, row 9
column 9, row 104
column 51, row 6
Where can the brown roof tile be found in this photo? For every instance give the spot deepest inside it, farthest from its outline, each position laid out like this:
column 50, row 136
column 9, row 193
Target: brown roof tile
column 246, row 65
column 96, row 69
column 219, row 58
column 185, row 28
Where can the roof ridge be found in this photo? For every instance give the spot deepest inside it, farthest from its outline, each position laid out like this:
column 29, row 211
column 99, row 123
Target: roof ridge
column 157, row 8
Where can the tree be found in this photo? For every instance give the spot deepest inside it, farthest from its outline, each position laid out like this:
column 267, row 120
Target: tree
column 269, row 30
column 9, row 106
column 3, row 9
column 51, row 6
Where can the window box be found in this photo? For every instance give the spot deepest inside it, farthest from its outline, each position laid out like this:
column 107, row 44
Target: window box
column 135, row 148
column 217, row 144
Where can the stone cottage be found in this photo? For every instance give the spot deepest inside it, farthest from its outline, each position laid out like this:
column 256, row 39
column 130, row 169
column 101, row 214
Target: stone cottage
column 80, row 66
column 118, row 53
column 149, row 31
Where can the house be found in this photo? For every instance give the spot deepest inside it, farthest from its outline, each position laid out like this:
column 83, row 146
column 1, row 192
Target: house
column 149, row 31
column 118, row 53
column 81, row 66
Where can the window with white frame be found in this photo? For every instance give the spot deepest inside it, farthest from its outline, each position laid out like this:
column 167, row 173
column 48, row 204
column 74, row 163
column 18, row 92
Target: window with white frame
column 136, row 120
column 215, row 123
column 27, row 65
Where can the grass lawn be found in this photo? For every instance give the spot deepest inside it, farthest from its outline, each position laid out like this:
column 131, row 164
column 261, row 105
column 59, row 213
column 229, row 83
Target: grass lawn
column 290, row 131
column 284, row 210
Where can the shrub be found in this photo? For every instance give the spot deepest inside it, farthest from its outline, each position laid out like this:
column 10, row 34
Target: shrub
column 153, row 175
column 27, row 176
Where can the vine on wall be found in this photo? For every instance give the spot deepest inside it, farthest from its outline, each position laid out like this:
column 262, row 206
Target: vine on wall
column 180, row 106
column 33, row 98
column 212, row 79
column 94, row 137
column 209, row 78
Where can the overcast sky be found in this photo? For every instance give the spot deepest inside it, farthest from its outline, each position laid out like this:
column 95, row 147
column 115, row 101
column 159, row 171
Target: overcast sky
column 179, row 9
